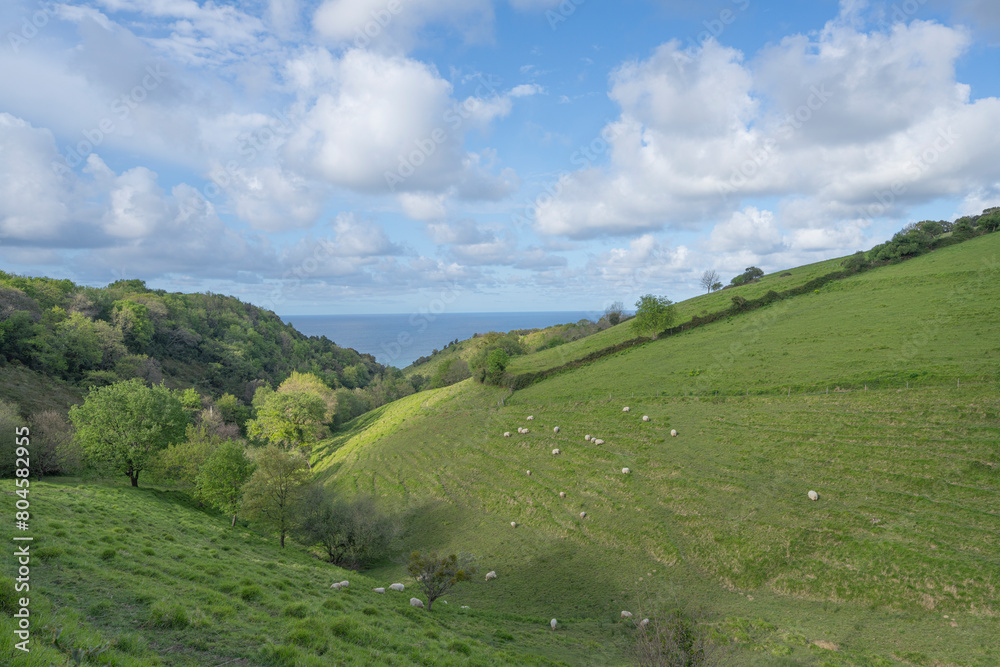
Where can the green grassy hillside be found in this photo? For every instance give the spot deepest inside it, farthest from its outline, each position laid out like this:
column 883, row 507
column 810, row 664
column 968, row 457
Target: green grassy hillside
column 897, row 562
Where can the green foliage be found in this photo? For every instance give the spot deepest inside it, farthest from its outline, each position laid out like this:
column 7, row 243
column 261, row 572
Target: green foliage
column 436, row 575
column 614, row 313
column 10, row 420
column 271, row 495
column 448, row 373
column 495, row 352
column 352, row 532
column 855, row 262
column 291, row 419
column 653, row 314
column 133, row 320
column 52, row 447
column 751, row 274
column 121, row 427
column 220, row 480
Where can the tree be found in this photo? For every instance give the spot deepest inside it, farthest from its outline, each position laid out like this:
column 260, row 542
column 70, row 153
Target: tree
column 653, row 314
column 613, row 313
column 709, row 279
column 716, row 286
column 133, row 320
column 751, row 274
column 10, row 420
column 292, row 419
column 353, row 533
column 221, row 479
column 436, row 575
column 122, row 426
column 270, row 496
column 52, row 448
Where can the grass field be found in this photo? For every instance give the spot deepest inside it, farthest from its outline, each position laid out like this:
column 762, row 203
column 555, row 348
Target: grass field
column 880, row 392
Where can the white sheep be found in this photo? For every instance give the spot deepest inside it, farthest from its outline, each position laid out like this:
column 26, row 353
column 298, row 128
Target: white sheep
column 587, row 437
column 345, row 584
column 626, row 614
column 506, row 434
column 397, row 587
column 583, row 515
column 416, row 602
column 598, row 441
column 813, row 495
column 562, row 494
column 626, row 471
column 528, row 473
column 673, row 433
column 335, row 586
column 555, row 451
column 531, row 418
column 513, row 524
column 625, row 409
column 553, row 623
column 644, row 622
column 555, row 429
column 378, row 590
column 491, row 575
column 645, row 418
column 526, row 431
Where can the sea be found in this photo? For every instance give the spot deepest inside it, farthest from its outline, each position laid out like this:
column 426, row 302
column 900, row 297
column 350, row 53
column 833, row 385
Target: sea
column 399, row 340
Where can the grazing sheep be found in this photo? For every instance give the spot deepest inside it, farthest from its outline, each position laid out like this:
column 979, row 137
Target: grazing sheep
column 526, row 431
column 491, row 575
column 555, row 429
column 378, row 590
column 513, row 524
column 626, row 614
column 531, row 418
column 673, row 433
column 626, row 471
column 506, row 434
column 465, row 606
column 645, row 418
column 397, row 587
column 553, row 623
column 598, row 441
column 345, row 584
column 416, row 602
column 562, row 494
column 583, row 515
column 644, row 622
column 528, row 473
column 587, row 437
column 555, row 451
column 335, row 586
column 625, row 409
column 813, row 495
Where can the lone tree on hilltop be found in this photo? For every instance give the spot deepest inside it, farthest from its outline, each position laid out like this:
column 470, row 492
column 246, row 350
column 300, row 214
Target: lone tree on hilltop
column 709, row 280
column 613, row 313
column 436, row 575
column 122, row 426
column 653, row 314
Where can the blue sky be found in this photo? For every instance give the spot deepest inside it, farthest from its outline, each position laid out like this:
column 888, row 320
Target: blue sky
column 366, row 156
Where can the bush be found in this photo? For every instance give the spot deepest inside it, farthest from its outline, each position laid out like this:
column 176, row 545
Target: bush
column 653, row 314
column 676, row 639
column 352, row 532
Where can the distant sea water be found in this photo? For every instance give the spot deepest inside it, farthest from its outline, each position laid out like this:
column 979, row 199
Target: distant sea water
column 399, row 340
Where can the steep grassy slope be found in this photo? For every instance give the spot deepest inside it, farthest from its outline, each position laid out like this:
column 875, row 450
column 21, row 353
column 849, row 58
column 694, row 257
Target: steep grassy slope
column 897, row 562
column 164, row 583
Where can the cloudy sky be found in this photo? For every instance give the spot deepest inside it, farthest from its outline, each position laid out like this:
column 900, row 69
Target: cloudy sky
column 364, row 156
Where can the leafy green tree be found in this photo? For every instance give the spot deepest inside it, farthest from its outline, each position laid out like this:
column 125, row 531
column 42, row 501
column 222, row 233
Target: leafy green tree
column 613, row 313
column 751, row 274
column 122, row 426
column 436, row 575
column 653, row 314
column 221, row 479
column 271, row 495
column 291, row 419
column 352, row 532
column 133, row 320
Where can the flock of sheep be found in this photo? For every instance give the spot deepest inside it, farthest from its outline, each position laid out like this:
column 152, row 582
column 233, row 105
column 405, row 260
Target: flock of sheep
column 625, row 615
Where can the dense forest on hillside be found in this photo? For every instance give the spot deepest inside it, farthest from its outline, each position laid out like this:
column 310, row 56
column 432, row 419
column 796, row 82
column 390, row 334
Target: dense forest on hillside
column 86, row 336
